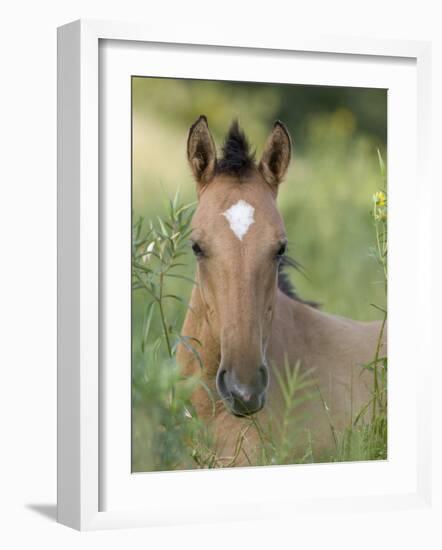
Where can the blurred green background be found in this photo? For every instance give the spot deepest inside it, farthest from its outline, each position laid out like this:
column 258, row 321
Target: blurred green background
column 326, row 197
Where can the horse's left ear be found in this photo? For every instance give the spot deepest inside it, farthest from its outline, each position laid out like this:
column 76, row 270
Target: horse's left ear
column 201, row 152
column 276, row 156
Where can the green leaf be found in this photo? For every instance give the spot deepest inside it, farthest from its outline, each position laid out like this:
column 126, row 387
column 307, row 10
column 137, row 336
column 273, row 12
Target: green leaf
column 381, row 164
column 183, row 277
column 163, row 227
column 184, row 340
column 147, row 323
column 186, row 207
column 174, row 297
column 176, row 200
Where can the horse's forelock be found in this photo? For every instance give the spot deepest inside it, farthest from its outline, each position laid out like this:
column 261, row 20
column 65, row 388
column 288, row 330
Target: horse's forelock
column 237, row 157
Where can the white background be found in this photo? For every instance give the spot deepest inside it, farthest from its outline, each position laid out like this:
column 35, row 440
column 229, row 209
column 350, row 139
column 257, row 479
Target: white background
column 28, row 267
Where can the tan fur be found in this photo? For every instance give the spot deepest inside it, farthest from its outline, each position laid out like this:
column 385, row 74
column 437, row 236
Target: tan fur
column 242, row 319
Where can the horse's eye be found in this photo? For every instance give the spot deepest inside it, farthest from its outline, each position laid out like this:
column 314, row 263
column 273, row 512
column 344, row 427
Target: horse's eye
column 281, row 250
column 197, row 249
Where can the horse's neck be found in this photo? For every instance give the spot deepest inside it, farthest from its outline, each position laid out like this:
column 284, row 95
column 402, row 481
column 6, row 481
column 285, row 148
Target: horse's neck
column 318, row 339
column 296, row 328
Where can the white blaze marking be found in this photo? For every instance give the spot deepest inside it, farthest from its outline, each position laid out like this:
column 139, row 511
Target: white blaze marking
column 240, row 218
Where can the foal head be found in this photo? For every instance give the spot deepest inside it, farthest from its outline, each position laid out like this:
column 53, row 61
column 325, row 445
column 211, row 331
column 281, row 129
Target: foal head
column 239, row 240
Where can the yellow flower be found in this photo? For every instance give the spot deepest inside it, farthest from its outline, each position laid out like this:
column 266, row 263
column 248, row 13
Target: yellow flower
column 379, row 198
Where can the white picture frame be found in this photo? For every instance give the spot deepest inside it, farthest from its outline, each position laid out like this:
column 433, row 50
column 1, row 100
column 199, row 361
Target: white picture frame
column 81, row 442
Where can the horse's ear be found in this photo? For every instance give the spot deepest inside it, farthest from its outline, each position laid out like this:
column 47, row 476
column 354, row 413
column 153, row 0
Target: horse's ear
column 201, row 151
column 276, row 156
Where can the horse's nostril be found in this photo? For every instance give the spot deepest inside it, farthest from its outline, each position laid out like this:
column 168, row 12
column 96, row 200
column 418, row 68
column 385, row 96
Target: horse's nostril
column 264, row 373
column 242, row 399
column 221, row 383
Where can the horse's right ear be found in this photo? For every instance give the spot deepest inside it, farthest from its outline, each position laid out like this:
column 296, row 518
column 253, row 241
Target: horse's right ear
column 201, row 152
column 276, row 156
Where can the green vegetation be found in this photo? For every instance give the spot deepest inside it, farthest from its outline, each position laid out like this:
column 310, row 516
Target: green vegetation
column 325, row 204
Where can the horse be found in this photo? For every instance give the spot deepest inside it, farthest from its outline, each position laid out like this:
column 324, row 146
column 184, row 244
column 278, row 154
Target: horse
column 247, row 318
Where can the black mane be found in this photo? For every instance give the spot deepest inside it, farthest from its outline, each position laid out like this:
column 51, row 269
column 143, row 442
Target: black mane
column 284, row 283
column 237, row 158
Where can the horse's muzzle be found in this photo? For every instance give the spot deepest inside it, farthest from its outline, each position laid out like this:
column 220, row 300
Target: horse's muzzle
column 242, row 399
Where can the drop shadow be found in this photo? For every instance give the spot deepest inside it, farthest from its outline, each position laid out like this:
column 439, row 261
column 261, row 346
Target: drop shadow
column 49, row 511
